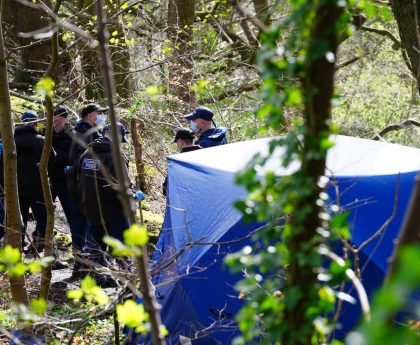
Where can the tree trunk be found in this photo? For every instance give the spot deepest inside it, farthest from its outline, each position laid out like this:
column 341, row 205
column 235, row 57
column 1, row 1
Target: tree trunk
column 317, row 84
column 181, row 14
column 410, row 230
column 121, row 59
column 33, row 60
column 407, row 15
column 138, row 154
column 261, row 9
column 14, row 224
column 49, row 205
column 89, row 57
column 150, row 303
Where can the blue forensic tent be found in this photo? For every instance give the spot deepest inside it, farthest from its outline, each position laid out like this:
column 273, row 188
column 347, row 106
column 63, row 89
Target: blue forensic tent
column 371, row 179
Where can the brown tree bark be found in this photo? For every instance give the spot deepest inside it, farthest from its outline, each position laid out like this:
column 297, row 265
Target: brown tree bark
column 90, row 60
column 261, row 9
column 49, row 205
column 121, row 59
column 138, row 154
column 181, row 14
column 32, row 61
column 410, row 230
column 43, row 169
column 407, row 15
column 14, row 224
column 150, row 303
column 317, row 84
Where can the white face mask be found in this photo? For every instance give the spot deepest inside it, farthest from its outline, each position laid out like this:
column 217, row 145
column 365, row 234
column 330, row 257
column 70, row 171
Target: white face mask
column 100, row 120
column 194, row 127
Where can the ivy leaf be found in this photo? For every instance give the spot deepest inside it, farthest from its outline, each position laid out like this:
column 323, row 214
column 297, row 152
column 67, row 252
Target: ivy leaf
column 340, row 225
column 294, row 97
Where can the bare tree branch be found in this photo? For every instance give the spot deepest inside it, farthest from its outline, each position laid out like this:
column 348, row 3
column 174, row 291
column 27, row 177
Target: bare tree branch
column 383, row 32
column 230, row 93
column 396, row 127
column 151, row 305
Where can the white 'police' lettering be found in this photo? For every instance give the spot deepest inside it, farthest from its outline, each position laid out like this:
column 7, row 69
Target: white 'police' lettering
column 90, row 164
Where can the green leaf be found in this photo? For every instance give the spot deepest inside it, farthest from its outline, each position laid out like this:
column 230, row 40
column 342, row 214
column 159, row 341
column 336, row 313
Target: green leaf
column 38, row 306
column 163, row 331
column 34, row 266
column 87, row 283
column 132, row 314
column 98, row 295
column 340, row 224
column 92, row 291
column 136, row 235
column 75, row 294
column 45, row 87
column 294, row 97
column 152, row 90
column 17, row 270
column 118, row 248
column 10, row 255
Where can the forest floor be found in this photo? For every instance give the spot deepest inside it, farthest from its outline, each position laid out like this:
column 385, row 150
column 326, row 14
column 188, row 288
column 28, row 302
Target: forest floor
column 85, row 323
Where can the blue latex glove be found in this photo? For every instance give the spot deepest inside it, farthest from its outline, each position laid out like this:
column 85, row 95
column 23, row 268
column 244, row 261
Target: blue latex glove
column 140, row 195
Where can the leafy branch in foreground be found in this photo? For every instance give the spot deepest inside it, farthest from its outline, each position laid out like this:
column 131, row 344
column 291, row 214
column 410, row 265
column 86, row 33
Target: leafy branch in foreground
column 287, row 299
column 398, row 295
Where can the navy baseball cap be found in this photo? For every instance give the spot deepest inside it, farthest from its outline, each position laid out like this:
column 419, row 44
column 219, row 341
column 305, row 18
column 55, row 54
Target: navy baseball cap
column 184, row 133
column 61, row 110
column 29, row 115
column 90, row 108
column 123, row 131
column 200, row 113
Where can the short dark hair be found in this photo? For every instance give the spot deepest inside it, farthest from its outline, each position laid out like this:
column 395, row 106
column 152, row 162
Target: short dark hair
column 122, row 129
column 184, row 133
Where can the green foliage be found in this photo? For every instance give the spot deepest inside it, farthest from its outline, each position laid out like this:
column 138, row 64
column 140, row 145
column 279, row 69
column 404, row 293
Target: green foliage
column 133, row 315
column 90, row 291
column 272, row 301
column 10, row 262
column 376, row 91
column 134, row 238
column 45, row 87
column 389, row 301
column 38, row 306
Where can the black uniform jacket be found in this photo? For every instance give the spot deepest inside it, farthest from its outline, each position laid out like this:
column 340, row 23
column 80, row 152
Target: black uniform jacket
column 29, row 144
column 98, row 197
column 61, row 143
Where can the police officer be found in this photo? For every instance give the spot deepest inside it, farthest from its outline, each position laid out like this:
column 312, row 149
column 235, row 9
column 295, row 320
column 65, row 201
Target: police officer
column 99, row 197
column 87, row 130
column 92, row 119
column 208, row 133
column 29, row 145
column 61, row 142
column 184, row 140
